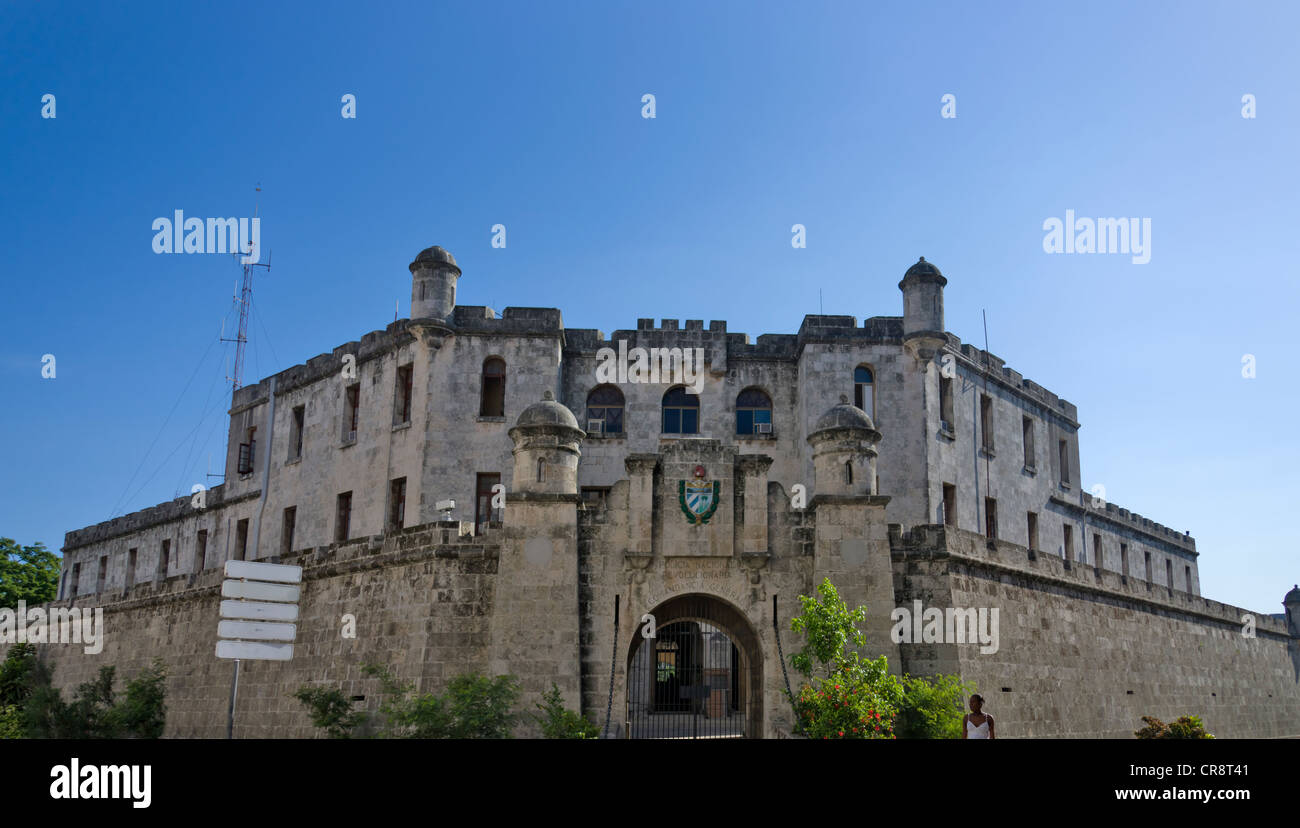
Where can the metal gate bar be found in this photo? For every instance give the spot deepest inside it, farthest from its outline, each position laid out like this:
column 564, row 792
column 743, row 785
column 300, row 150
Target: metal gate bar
column 690, row 681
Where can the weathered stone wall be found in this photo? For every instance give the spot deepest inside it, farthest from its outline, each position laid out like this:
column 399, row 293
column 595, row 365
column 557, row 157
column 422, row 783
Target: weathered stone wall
column 1085, row 653
column 422, row 601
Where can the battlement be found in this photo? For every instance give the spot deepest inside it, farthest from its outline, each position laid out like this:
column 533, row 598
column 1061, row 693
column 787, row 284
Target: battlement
column 478, row 319
column 938, row 540
column 1110, row 513
column 672, row 333
column 167, row 512
column 370, row 346
column 987, row 364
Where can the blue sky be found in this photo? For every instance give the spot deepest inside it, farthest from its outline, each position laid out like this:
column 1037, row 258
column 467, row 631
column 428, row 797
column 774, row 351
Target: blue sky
column 529, row 115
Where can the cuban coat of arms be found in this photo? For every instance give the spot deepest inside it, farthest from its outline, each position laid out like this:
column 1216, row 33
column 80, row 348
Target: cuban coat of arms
column 699, row 497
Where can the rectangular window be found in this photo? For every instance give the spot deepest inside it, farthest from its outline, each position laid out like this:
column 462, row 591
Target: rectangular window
column 1027, row 432
column 492, row 397
column 1063, row 448
column 164, row 559
column 351, row 412
column 343, row 517
column 1123, row 559
column 1067, row 548
column 295, row 432
column 1187, row 571
column 945, row 403
column 132, row 558
column 1096, row 550
column 986, row 421
column 1033, row 530
column 287, row 525
column 1169, row 576
column 483, row 511
column 990, row 517
column 241, row 540
column 402, row 396
column 949, row 504
column 397, row 503
column 594, row 496
column 201, row 550
column 246, row 451
column 1147, row 557
column 103, row 573
column 76, row 580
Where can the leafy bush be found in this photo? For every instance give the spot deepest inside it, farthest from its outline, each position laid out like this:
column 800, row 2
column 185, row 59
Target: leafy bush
column 11, row 722
column 932, row 707
column 143, row 713
column 1187, row 727
column 94, row 712
column 331, row 710
column 557, row 722
column 472, row 707
column 848, row 705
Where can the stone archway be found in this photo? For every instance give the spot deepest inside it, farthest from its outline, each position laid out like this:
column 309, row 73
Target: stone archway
column 701, row 677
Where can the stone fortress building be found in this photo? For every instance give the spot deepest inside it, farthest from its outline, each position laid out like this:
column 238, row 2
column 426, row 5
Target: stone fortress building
column 911, row 469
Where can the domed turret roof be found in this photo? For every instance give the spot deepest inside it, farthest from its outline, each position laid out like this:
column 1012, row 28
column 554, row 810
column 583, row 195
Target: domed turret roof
column 923, row 268
column 844, row 416
column 1293, row 597
column 547, row 412
column 437, row 255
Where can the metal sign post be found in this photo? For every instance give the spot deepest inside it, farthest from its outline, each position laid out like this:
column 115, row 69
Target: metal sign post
column 262, row 600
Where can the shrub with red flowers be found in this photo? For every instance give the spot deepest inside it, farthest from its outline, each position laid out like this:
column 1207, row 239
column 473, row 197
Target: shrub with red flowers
column 847, row 706
column 845, row 696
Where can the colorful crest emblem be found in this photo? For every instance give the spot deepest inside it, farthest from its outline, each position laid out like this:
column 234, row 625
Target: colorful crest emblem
column 699, row 497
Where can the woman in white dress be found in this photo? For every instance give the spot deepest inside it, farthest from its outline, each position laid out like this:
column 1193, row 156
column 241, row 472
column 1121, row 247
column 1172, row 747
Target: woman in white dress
column 976, row 725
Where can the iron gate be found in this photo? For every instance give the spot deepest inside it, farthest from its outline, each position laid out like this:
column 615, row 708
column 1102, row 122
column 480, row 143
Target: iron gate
column 694, row 679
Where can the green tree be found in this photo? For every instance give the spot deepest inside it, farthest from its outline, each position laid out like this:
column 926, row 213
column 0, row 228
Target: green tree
column 844, row 696
column 830, row 630
column 27, row 573
column 16, row 675
column 558, row 722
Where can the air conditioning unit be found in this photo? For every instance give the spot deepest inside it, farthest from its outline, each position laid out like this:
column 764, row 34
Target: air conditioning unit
column 595, row 426
column 762, row 428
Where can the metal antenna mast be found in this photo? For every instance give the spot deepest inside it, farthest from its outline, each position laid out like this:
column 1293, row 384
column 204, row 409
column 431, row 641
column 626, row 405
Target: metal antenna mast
column 244, row 298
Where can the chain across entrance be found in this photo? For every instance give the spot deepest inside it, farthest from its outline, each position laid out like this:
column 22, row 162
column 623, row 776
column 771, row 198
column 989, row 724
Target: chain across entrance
column 699, row 677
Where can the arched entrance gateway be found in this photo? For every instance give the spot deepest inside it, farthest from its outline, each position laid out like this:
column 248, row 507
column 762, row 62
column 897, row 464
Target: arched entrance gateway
column 699, row 677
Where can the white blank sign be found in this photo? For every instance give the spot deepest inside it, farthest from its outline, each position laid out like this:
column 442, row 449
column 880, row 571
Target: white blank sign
column 259, row 591
column 254, row 571
column 254, row 650
column 258, row 611
column 257, row 630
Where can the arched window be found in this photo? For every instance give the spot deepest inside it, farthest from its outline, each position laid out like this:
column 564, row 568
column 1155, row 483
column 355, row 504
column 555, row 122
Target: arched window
column 605, row 403
column 493, row 400
column 753, row 412
column 681, row 412
column 863, row 388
